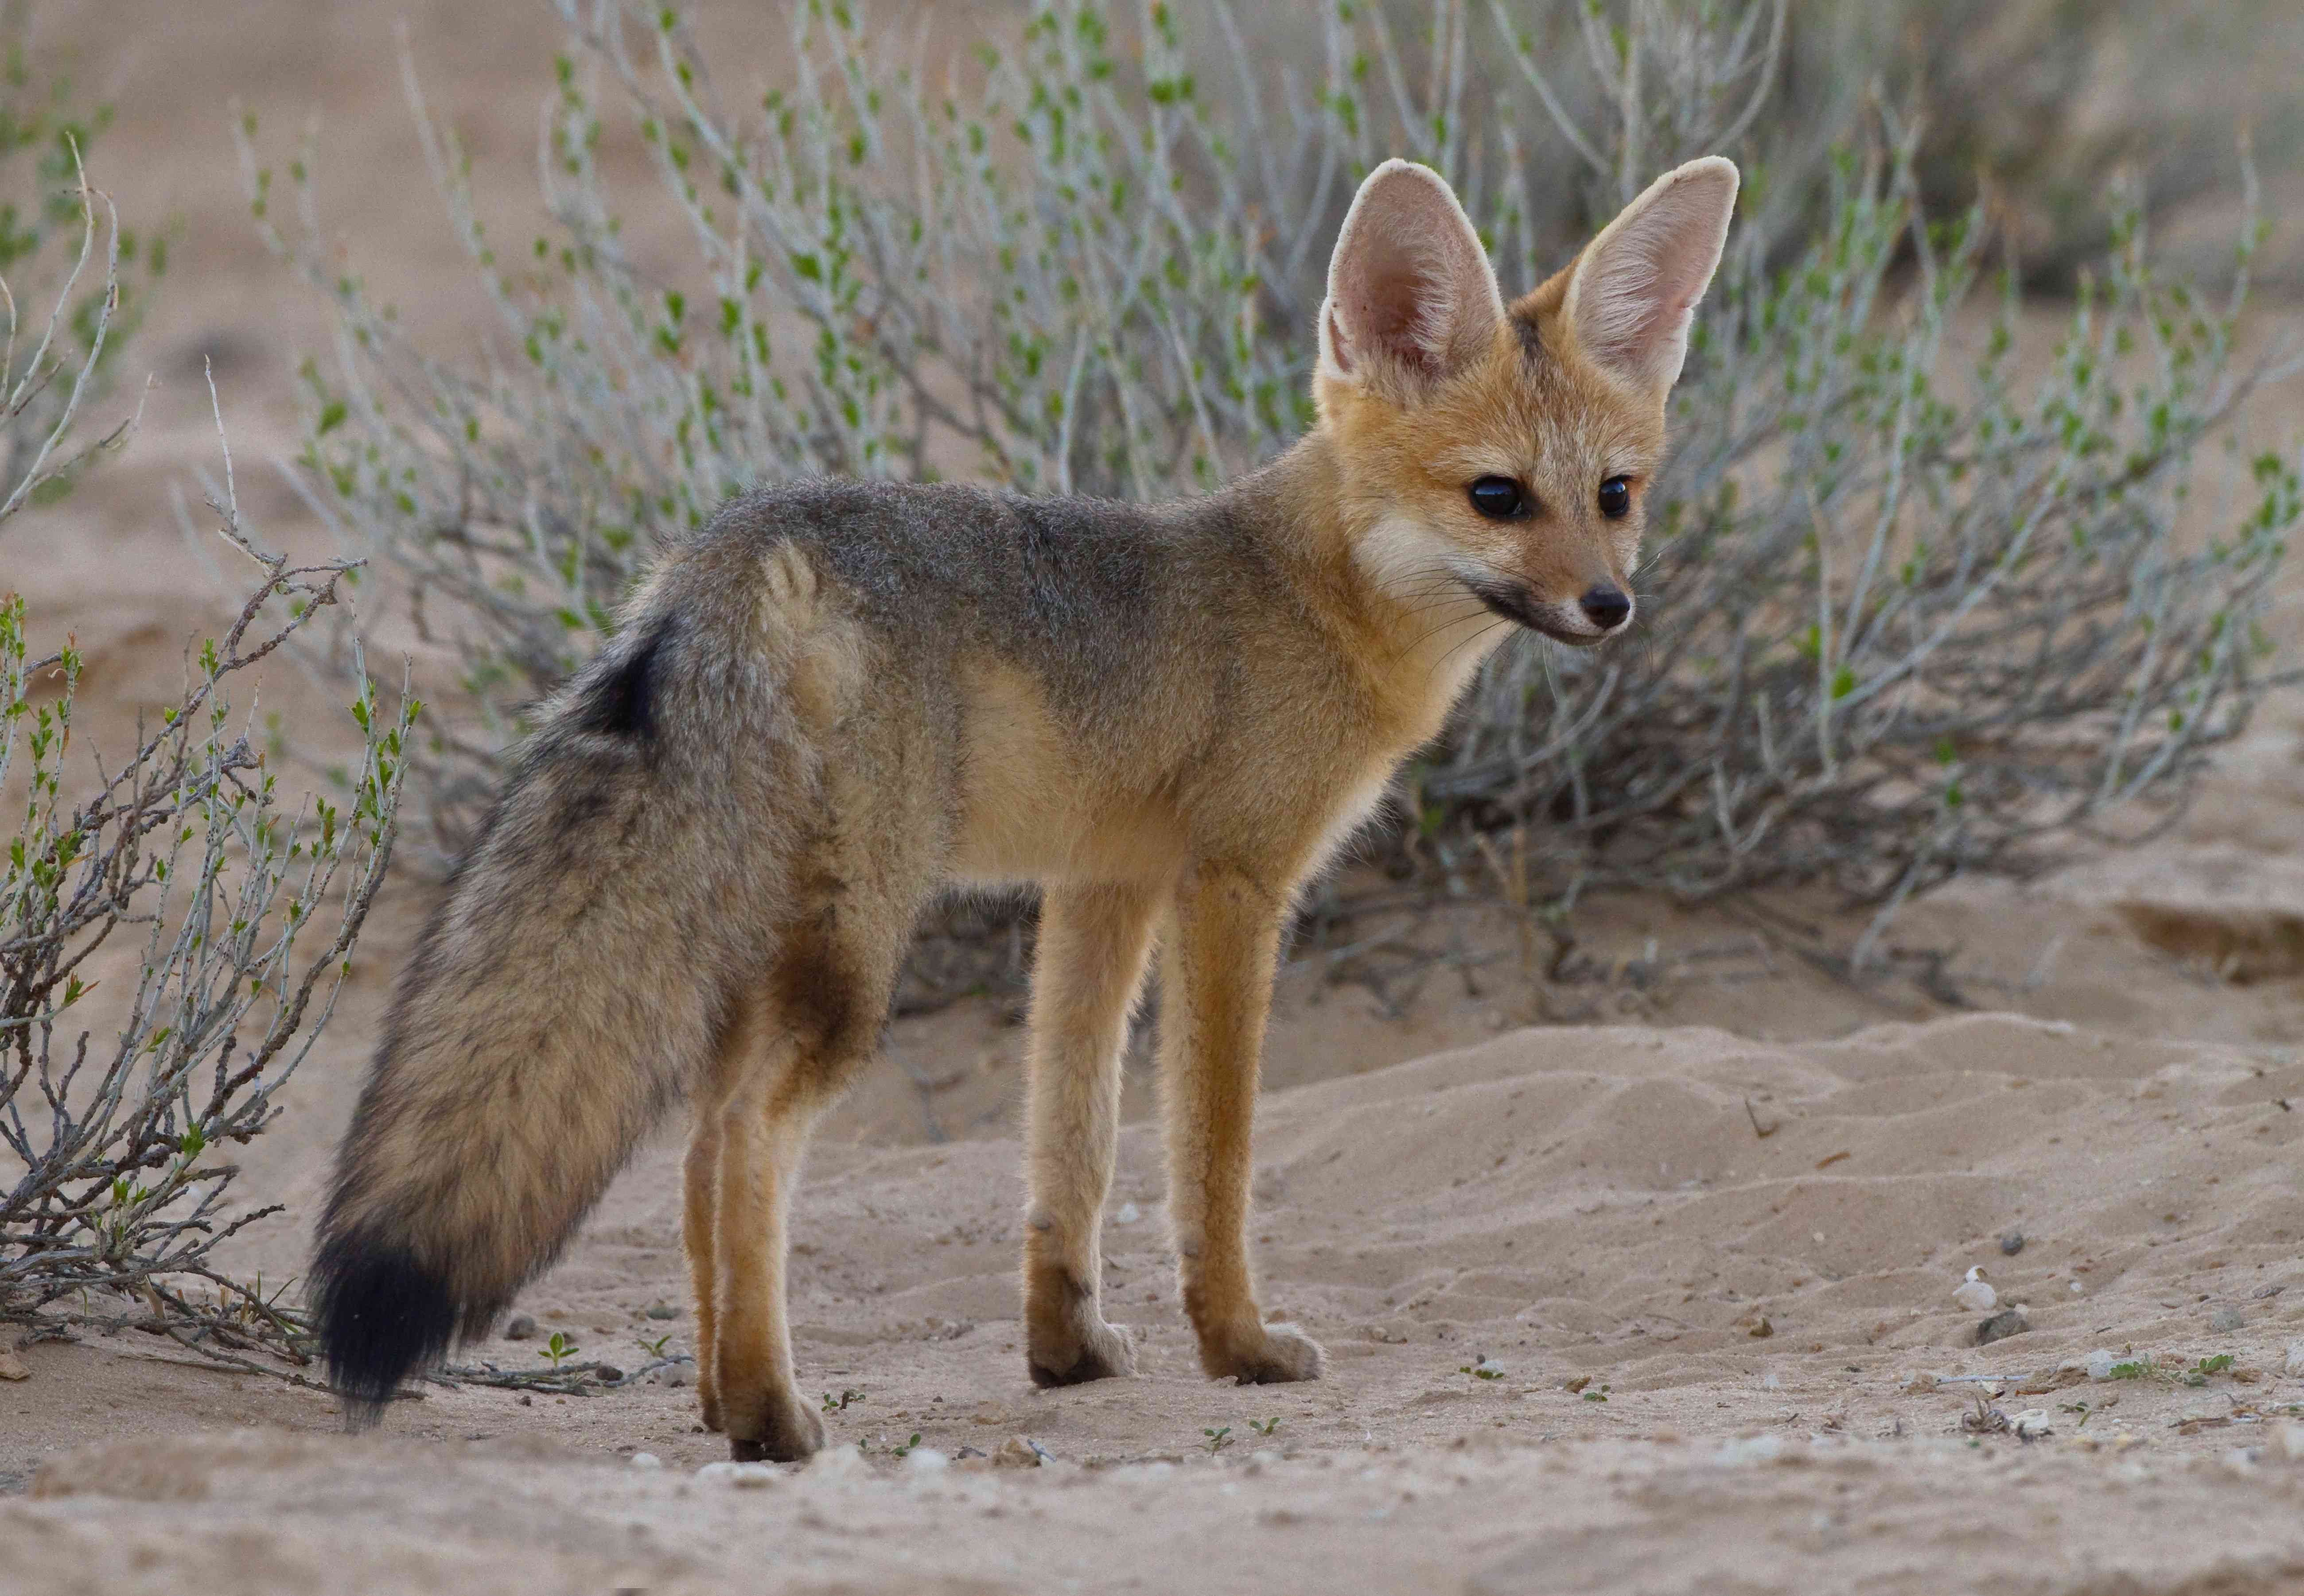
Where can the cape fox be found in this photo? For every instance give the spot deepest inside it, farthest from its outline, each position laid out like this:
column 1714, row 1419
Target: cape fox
column 839, row 697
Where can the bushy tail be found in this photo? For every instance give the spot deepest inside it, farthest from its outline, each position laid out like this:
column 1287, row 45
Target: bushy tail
column 574, row 981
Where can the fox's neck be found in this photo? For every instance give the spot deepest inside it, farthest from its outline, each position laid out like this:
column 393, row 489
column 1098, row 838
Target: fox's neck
column 1413, row 632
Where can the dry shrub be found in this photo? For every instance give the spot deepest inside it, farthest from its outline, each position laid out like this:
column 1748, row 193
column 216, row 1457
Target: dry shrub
column 122, row 1098
column 1906, row 614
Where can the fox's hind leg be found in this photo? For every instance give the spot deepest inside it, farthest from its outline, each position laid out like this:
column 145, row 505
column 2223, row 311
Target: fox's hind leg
column 819, row 1020
column 700, row 1180
column 750, row 1392
column 1216, row 989
column 1093, row 943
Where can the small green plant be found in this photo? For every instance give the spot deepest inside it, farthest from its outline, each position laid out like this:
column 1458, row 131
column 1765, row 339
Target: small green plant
column 1599, row 1395
column 654, row 1348
column 840, row 1403
column 2082, row 1408
column 1483, row 1370
column 906, row 1450
column 1217, row 1439
column 1264, row 1427
column 559, row 1349
column 2198, row 1374
column 2133, row 1369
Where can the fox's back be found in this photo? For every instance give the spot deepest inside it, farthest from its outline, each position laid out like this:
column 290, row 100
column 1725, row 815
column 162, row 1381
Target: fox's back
column 1101, row 603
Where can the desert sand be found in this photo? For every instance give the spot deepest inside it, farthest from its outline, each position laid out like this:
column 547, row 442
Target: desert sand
column 1639, row 1279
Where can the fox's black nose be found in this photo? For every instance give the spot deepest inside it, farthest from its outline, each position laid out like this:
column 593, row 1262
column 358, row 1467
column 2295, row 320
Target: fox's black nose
column 1607, row 607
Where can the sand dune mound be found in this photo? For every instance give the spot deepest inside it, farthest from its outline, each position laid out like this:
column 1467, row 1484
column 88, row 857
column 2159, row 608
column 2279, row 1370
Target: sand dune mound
column 1611, row 1309
column 1643, row 1201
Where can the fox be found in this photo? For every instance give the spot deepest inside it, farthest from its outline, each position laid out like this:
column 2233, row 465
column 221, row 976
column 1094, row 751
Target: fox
column 839, row 698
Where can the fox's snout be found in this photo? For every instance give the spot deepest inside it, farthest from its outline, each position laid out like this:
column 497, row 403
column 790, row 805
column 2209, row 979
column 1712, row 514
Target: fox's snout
column 1606, row 606
column 1599, row 612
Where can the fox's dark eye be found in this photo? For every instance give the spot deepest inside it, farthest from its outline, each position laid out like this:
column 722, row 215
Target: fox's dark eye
column 1615, row 497
column 1498, row 498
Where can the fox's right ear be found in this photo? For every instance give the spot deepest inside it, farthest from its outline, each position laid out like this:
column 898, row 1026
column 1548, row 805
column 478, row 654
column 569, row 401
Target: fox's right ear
column 1411, row 297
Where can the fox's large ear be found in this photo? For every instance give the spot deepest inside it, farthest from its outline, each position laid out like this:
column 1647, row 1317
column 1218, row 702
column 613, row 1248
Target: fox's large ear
column 1635, row 288
column 1411, row 299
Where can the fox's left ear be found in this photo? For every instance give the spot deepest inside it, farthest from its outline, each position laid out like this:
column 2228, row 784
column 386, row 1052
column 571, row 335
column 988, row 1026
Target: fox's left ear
column 1634, row 287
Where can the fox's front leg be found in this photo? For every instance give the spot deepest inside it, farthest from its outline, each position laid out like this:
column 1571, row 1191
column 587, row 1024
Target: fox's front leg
column 1216, row 990
column 1093, row 943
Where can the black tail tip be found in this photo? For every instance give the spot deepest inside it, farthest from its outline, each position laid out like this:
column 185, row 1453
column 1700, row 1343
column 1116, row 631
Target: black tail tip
column 383, row 1315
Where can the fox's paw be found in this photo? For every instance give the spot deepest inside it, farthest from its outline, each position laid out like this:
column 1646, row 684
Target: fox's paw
column 1281, row 1355
column 1075, row 1356
column 707, row 1400
column 786, row 1431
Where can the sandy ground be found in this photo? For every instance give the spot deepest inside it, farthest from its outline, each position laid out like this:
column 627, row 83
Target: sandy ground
column 1637, row 1279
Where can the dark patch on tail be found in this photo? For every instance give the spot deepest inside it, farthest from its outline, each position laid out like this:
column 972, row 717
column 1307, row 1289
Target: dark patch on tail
column 620, row 700
column 383, row 1315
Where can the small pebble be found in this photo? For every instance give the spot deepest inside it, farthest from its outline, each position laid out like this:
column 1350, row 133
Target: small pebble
column 664, row 1311
column 1017, row 1452
column 2031, row 1425
column 608, row 1373
column 520, row 1327
column 2227, row 1320
column 2007, row 1322
column 2292, row 1441
column 13, row 1367
column 2012, row 1243
column 2263, row 1293
column 2293, row 1367
column 2100, row 1362
column 1129, row 1215
column 647, row 1460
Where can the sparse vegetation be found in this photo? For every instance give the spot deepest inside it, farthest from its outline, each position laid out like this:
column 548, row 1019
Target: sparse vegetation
column 1216, row 1439
column 1918, row 604
column 127, row 1075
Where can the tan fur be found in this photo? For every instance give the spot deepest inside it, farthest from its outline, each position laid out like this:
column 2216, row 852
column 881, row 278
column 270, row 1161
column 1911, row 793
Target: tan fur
column 838, row 701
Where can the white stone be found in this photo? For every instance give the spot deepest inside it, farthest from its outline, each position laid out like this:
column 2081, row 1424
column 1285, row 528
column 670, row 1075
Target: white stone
column 1751, row 1448
column 1975, row 1295
column 926, row 1460
column 838, row 1462
column 740, row 1476
column 647, row 1460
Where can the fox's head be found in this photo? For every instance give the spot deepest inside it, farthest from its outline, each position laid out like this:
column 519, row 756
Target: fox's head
column 1503, row 452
